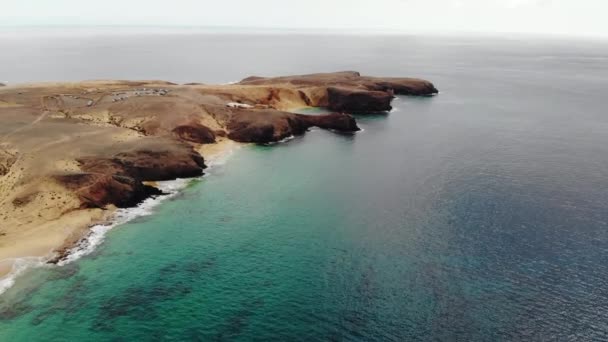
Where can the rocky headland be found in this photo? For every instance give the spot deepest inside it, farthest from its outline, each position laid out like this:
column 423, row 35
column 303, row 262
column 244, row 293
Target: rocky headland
column 70, row 153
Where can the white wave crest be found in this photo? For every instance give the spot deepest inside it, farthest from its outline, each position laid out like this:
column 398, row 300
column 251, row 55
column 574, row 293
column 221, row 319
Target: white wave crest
column 98, row 232
column 18, row 266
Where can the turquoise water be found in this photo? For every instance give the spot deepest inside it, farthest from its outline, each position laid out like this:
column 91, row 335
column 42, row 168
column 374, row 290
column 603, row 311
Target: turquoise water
column 261, row 248
column 476, row 215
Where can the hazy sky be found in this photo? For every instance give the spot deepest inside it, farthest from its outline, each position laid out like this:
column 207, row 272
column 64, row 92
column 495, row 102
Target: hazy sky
column 574, row 17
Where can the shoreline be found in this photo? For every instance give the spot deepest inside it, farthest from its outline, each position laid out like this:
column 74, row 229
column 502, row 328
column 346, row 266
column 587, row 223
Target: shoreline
column 85, row 238
column 78, row 157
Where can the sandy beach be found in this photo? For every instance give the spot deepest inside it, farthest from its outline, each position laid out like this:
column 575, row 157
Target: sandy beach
column 40, row 239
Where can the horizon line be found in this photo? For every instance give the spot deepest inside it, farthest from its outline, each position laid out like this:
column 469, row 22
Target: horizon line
column 331, row 30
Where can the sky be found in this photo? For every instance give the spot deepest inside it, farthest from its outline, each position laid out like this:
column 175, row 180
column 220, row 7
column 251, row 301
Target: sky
column 553, row 17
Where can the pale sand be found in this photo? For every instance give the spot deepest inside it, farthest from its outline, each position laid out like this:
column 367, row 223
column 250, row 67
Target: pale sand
column 4, row 104
column 42, row 238
column 214, row 153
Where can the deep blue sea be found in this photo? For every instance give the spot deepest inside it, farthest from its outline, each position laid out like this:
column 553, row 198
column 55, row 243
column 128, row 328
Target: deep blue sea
column 480, row 214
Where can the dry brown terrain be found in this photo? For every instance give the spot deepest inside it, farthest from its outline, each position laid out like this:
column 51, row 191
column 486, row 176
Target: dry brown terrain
column 72, row 152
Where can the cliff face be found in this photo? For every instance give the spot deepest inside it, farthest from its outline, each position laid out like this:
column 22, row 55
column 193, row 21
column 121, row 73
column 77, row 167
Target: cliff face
column 358, row 101
column 348, row 91
column 118, row 179
column 97, row 190
column 177, row 161
column 195, row 133
column 263, row 126
column 401, row 85
column 69, row 146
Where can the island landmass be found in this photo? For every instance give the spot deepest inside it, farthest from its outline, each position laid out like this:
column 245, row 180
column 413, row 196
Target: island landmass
column 71, row 153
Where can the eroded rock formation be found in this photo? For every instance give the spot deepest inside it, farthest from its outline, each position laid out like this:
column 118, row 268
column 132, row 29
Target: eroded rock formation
column 97, row 190
column 180, row 161
column 348, row 91
column 263, row 126
column 353, row 100
column 195, row 133
column 118, row 179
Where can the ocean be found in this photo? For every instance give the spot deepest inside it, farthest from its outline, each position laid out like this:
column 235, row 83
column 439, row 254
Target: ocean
column 480, row 214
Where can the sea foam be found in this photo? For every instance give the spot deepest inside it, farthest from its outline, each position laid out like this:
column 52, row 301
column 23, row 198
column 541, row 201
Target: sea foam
column 19, row 265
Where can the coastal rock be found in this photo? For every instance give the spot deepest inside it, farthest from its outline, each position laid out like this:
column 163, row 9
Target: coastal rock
column 350, row 79
column 352, row 100
column 97, row 190
column 335, row 121
column 402, row 86
column 348, row 91
column 264, row 126
column 345, row 78
column 196, row 133
column 7, row 160
column 118, row 179
column 2, row 85
column 148, row 165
